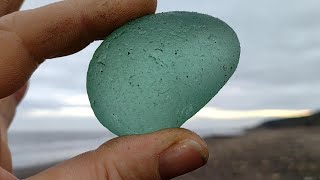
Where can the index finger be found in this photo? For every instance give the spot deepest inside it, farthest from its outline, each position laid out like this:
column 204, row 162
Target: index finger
column 27, row 38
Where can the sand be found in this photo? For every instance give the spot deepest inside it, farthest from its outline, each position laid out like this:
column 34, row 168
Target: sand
column 282, row 154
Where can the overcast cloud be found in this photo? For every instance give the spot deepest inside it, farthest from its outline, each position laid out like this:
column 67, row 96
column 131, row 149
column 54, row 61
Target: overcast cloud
column 278, row 70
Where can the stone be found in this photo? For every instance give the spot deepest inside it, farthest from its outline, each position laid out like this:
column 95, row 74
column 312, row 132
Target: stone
column 158, row 71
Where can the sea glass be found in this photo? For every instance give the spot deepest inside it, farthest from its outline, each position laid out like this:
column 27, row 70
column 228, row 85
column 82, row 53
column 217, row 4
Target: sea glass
column 158, row 71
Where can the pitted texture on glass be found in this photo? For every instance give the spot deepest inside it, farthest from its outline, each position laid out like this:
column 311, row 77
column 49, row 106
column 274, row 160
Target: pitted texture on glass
column 159, row 70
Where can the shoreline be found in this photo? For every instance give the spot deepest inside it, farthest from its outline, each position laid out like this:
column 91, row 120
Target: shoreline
column 284, row 154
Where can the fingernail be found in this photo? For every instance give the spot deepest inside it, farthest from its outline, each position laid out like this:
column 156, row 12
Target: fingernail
column 181, row 158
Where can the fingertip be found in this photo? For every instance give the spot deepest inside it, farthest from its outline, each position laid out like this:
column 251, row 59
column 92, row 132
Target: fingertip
column 98, row 23
column 180, row 134
column 56, row 30
column 186, row 151
column 166, row 153
column 181, row 158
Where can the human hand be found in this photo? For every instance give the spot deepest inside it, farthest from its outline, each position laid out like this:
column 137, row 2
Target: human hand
column 30, row 37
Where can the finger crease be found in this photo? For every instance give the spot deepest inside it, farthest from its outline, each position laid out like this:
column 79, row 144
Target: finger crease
column 81, row 20
column 36, row 60
column 5, row 28
column 118, row 171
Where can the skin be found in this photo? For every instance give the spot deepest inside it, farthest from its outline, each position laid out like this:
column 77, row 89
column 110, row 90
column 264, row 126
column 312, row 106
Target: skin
column 64, row 28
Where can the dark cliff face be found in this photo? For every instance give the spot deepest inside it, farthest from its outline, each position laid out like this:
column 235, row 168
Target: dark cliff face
column 313, row 120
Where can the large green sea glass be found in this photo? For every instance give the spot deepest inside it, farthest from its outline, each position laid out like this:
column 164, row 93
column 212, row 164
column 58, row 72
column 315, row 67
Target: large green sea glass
column 158, row 71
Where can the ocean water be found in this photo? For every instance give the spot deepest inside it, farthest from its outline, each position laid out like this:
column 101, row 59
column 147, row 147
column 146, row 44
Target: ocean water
column 33, row 148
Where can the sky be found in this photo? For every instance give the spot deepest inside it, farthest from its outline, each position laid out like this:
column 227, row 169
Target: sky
column 277, row 75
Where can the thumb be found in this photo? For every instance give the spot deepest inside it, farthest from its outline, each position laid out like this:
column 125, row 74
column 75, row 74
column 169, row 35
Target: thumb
column 161, row 155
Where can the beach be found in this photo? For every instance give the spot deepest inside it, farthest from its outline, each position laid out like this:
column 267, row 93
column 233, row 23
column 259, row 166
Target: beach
column 267, row 154
column 283, row 153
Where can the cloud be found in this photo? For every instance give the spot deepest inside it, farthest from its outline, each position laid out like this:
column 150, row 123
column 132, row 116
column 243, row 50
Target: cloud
column 63, row 112
column 222, row 114
column 278, row 74
column 208, row 113
column 76, row 100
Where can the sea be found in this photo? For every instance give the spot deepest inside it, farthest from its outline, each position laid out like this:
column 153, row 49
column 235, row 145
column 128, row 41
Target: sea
column 31, row 148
